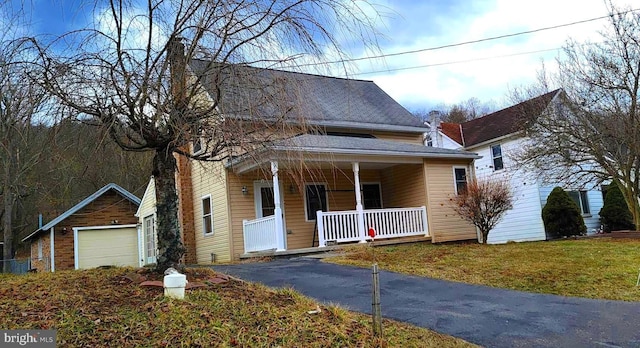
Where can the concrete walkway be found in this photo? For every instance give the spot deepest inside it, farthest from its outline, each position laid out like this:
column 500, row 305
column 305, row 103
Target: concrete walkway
column 486, row 316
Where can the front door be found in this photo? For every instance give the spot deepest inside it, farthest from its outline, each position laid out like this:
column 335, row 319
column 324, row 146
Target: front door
column 149, row 226
column 265, row 204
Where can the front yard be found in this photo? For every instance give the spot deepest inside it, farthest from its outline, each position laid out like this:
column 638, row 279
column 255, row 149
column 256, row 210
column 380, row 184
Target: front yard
column 594, row 268
column 108, row 308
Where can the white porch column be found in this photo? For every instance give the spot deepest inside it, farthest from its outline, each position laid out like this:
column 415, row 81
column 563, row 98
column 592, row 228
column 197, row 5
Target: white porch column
column 361, row 228
column 278, row 209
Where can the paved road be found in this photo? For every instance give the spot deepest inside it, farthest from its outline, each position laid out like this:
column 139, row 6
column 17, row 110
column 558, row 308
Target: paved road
column 482, row 315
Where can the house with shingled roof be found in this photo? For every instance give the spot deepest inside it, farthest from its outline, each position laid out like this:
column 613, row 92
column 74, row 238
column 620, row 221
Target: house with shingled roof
column 100, row 230
column 359, row 164
column 497, row 138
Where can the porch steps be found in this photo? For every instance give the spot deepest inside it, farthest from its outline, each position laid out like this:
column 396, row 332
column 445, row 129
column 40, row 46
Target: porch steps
column 331, row 248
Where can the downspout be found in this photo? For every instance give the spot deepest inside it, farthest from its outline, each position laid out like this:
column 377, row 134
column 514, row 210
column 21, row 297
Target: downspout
column 52, row 252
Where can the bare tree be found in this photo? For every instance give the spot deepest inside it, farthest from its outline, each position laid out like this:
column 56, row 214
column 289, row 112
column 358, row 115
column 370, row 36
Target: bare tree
column 132, row 73
column 458, row 113
column 592, row 134
column 21, row 110
column 483, row 203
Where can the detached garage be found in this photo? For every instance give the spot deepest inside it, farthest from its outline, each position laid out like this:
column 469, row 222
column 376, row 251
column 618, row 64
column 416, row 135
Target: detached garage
column 101, row 230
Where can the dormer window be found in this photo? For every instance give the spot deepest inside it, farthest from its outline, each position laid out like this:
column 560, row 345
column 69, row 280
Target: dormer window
column 496, row 155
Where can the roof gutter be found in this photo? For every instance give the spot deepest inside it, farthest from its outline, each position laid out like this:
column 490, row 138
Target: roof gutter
column 378, row 152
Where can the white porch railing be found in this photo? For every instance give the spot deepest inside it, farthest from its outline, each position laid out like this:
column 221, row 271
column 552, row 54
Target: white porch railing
column 260, row 234
column 342, row 226
column 338, row 226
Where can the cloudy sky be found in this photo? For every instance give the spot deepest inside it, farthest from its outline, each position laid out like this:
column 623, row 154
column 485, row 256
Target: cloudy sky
column 417, row 25
column 485, row 70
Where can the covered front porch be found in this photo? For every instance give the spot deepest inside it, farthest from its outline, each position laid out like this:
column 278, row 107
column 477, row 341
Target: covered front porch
column 316, row 191
column 333, row 203
column 330, row 226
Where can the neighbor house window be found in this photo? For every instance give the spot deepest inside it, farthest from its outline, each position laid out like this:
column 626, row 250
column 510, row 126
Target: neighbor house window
column 315, row 198
column 207, row 216
column 460, row 174
column 496, row 155
column 580, row 197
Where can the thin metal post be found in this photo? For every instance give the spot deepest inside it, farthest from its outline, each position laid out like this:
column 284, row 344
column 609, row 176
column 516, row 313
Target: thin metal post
column 375, row 303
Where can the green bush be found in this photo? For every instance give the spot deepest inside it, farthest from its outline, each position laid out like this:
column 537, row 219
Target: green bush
column 561, row 215
column 615, row 214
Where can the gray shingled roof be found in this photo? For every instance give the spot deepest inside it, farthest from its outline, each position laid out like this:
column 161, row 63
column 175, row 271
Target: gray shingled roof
column 342, row 145
column 319, row 100
column 124, row 193
column 365, row 146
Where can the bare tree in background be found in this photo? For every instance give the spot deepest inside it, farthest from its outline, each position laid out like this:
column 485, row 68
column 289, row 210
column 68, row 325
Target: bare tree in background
column 130, row 73
column 593, row 134
column 483, row 203
column 21, row 139
column 458, row 113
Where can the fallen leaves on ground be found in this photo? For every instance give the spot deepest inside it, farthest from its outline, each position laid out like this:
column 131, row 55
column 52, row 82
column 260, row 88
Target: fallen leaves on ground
column 109, row 307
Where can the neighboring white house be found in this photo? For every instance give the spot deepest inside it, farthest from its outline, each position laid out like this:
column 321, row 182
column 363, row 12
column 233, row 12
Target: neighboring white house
column 497, row 137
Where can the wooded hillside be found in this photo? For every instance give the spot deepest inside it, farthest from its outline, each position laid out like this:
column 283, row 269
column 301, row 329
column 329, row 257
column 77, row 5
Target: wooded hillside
column 72, row 161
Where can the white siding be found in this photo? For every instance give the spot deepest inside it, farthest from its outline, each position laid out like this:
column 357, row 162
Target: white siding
column 594, row 197
column 147, row 207
column 524, row 221
column 447, row 142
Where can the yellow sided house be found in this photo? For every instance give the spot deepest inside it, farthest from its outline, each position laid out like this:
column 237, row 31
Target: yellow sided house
column 358, row 163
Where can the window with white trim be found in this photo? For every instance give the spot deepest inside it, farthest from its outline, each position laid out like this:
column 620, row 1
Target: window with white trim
column 207, row 216
column 39, row 248
column 581, row 199
column 496, row 155
column 197, row 142
column 315, row 198
column 149, row 226
column 460, row 179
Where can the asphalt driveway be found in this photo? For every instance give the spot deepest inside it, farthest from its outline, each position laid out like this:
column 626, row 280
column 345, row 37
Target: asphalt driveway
column 486, row 316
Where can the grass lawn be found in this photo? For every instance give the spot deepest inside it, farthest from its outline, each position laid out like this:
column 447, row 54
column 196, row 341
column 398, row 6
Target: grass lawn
column 102, row 308
column 595, row 268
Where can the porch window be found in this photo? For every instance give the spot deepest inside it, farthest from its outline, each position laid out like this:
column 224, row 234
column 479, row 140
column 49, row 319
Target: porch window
column 496, row 154
column 150, row 238
column 207, row 216
column 315, row 198
column 460, row 174
column 580, row 197
column 371, row 198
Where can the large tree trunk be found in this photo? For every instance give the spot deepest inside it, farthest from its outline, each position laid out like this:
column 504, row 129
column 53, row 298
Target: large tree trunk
column 170, row 245
column 630, row 196
column 635, row 212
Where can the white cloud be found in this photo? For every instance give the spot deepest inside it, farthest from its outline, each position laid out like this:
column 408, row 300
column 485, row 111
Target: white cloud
column 485, row 79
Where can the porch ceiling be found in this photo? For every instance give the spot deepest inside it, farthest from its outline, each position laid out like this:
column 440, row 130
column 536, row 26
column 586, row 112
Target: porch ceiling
column 337, row 151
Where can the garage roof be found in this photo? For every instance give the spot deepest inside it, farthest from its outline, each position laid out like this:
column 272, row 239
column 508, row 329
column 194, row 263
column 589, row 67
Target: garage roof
column 126, row 194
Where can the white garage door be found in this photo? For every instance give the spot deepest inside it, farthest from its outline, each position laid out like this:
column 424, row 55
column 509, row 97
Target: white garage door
column 112, row 246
